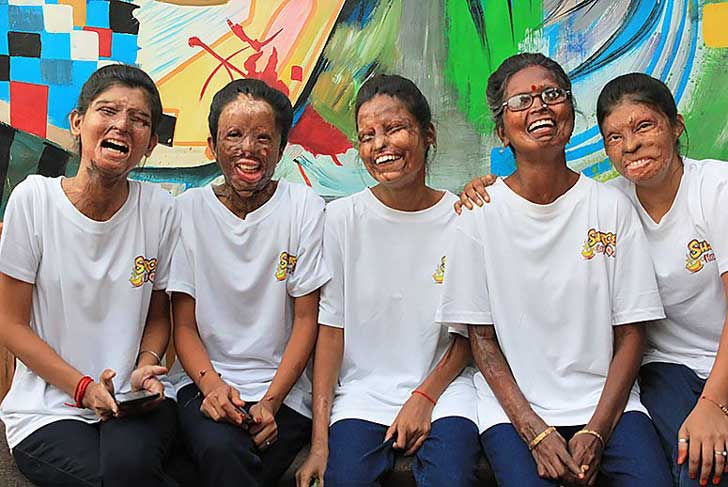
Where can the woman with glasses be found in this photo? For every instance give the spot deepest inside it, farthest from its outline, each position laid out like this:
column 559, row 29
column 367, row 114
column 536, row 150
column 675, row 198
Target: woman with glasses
column 555, row 282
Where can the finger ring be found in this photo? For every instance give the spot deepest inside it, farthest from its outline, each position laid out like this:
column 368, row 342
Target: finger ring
column 267, row 443
column 721, row 453
column 682, row 440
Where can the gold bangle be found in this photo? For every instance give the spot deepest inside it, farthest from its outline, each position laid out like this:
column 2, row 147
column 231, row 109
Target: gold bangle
column 541, row 436
column 593, row 433
column 153, row 354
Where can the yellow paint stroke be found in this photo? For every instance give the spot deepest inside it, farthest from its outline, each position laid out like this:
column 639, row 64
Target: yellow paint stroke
column 715, row 19
column 195, row 3
column 180, row 89
column 79, row 11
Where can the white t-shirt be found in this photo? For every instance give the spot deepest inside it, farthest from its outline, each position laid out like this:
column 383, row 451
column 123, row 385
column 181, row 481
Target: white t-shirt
column 553, row 279
column 684, row 247
column 243, row 275
column 92, row 286
column 387, row 278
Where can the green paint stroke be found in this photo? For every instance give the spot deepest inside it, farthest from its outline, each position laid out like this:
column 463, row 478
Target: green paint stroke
column 707, row 117
column 472, row 58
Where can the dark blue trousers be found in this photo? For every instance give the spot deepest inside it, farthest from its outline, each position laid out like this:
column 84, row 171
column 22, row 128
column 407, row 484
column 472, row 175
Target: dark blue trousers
column 632, row 457
column 225, row 454
column 116, row 453
column 670, row 392
column 359, row 456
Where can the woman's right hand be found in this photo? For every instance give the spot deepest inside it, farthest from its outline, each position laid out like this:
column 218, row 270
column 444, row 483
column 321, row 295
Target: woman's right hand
column 99, row 396
column 313, row 468
column 706, row 429
column 475, row 192
column 553, row 460
column 223, row 403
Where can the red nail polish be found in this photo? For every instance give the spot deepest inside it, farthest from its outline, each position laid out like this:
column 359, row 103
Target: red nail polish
column 703, row 482
column 716, row 480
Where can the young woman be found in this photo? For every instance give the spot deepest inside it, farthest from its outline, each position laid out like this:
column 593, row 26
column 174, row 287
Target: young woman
column 388, row 380
column 554, row 279
column 84, row 263
column 244, row 282
column 682, row 204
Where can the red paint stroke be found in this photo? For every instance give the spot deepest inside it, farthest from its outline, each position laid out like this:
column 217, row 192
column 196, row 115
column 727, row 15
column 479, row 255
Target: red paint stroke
column 195, row 41
column 303, row 173
column 29, row 107
column 296, row 73
column 237, row 29
column 104, row 40
column 318, row 136
column 214, row 71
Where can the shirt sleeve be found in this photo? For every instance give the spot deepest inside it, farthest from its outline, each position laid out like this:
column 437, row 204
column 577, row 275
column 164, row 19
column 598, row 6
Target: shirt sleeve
column 635, row 295
column 20, row 249
column 181, row 271
column 309, row 271
column 714, row 205
column 465, row 298
column 169, row 235
column 331, row 304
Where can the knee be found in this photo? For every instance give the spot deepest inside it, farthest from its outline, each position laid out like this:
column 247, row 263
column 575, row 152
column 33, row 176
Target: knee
column 227, row 455
column 347, row 474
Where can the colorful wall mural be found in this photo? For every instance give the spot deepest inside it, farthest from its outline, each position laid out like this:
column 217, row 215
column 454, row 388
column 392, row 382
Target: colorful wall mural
column 320, row 51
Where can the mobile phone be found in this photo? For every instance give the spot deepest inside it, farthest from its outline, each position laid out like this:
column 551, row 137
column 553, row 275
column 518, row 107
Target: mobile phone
column 133, row 400
column 247, row 418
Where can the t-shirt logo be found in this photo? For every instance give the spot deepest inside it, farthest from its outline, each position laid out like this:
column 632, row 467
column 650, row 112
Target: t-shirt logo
column 599, row 243
column 439, row 275
column 143, row 270
column 286, row 265
column 699, row 253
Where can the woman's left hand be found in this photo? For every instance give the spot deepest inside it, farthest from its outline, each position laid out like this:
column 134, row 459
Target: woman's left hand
column 706, row 429
column 412, row 424
column 263, row 428
column 586, row 450
column 145, row 378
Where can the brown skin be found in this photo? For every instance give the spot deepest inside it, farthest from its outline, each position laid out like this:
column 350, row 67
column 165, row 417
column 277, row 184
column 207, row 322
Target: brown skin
column 385, row 128
column 541, row 177
column 98, row 191
column 248, row 149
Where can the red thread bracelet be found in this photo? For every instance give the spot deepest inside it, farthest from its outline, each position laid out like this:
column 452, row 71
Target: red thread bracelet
column 80, row 391
column 417, row 391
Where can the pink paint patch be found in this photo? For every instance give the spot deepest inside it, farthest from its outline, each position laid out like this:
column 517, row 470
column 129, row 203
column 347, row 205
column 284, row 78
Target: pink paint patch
column 296, row 73
column 29, row 107
column 318, row 136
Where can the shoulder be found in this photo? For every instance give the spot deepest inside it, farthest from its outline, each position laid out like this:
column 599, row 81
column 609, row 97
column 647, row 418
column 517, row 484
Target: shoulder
column 340, row 208
column 709, row 171
column 621, row 183
column 32, row 188
column 154, row 195
column 300, row 193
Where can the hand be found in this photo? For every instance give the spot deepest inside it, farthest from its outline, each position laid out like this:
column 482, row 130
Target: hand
column 145, row 377
column 706, row 429
column 473, row 192
column 586, row 450
column 412, row 424
column 99, row 396
column 223, row 403
column 313, row 468
column 553, row 460
column 263, row 428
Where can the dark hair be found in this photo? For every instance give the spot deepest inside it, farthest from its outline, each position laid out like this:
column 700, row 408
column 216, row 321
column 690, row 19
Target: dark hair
column 281, row 105
column 639, row 88
column 498, row 81
column 400, row 88
column 120, row 75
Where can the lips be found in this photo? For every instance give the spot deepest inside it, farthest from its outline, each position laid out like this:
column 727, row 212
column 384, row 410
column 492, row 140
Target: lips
column 115, row 145
column 541, row 125
column 637, row 164
column 250, row 171
column 387, row 158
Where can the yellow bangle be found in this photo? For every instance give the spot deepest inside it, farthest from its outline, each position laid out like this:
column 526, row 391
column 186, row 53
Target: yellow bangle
column 593, row 433
column 541, row 436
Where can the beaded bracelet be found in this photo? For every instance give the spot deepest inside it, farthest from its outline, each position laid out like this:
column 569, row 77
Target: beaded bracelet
column 720, row 406
column 541, row 436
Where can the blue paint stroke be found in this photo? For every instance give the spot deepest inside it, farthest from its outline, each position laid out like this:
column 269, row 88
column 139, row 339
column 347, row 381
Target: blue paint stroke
column 25, row 18
column 56, row 71
column 502, row 161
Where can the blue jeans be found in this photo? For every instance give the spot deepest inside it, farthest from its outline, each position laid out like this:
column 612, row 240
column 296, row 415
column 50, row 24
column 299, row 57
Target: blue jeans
column 632, row 457
column 119, row 452
column 226, row 455
column 359, row 457
column 670, row 392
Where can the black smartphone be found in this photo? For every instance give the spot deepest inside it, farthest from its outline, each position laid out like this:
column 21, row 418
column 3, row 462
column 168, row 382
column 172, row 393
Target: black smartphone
column 134, row 400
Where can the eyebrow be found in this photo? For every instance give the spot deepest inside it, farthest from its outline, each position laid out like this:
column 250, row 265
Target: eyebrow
column 112, row 102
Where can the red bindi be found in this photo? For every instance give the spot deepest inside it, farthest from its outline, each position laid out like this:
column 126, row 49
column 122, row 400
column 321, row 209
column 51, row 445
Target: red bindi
column 533, row 87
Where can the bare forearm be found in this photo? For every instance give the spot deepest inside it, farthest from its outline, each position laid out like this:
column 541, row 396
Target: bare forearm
column 492, row 363
column 629, row 343
column 326, row 367
column 716, row 387
column 191, row 352
column 451, row 364
column 157, row 330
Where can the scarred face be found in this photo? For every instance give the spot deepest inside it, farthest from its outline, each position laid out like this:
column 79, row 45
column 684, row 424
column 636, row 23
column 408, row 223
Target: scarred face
column 540, row 126
column 641, row 142
column 115, row 131
column 392, row 144
column 248, row 144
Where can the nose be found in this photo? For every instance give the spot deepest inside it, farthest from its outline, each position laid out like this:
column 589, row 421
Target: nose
column 121, row 121
column 380, row 141
column 631, row 143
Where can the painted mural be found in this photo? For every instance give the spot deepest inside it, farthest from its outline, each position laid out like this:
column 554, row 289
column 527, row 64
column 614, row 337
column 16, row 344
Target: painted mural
column 320, row 51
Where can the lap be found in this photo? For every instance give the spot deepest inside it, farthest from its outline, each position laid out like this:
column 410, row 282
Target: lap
column 449, row 455
column 358, row 455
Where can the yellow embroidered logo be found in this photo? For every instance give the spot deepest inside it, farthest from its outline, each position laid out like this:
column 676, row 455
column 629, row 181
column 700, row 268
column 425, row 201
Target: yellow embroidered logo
column 286, row 265
column 699, row 253
column 599, row 243
column 143, row 270
column 439, row 274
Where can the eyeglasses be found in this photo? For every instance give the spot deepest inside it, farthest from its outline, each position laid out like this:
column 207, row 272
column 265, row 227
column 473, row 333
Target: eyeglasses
column 523, row 101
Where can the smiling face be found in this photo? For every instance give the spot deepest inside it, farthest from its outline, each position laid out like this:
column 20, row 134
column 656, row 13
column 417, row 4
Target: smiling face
column 641, row 142
column 248, row 144
column 540, row 126
column 392, row 144
column 115, row 131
